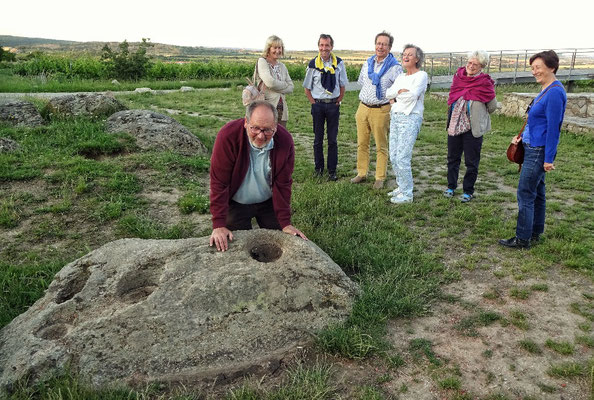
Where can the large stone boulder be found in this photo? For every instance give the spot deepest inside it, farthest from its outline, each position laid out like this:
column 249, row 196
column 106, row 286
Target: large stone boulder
column 94, row 105
column 21, row 113
column 154, row 131
column 137, row 311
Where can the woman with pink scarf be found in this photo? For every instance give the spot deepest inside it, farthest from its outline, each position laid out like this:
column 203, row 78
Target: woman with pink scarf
column 471, row 100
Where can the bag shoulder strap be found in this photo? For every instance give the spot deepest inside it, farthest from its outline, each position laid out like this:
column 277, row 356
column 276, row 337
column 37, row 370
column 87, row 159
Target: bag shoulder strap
column 532, row 103
column 261, row 86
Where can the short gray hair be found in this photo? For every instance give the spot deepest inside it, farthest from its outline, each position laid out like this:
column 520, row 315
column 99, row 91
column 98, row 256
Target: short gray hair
column 420, row 53
column 481, row 56
column 252, row 107
column 273, row 41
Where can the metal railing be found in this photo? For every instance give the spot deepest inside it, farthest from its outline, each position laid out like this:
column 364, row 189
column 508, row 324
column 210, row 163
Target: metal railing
column 516, row 61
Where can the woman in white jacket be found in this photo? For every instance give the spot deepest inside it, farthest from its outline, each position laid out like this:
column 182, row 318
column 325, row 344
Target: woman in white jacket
column 406, row 95
column 275, row 77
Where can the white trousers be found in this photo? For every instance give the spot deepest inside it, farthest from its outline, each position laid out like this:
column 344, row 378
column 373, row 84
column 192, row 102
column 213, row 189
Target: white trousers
column 403, row 133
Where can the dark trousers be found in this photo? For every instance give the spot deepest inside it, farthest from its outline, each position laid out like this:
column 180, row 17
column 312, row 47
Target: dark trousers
column 239, row 216
column 328, row 113
column 471, row 147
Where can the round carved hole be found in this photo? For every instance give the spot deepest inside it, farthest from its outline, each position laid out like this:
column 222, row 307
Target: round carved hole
column 137, row 294
column 266, row 252
column 52, row 332
column 74, row 284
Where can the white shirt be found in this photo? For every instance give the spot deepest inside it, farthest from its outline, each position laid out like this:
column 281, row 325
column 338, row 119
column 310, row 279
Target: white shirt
column 411, row 101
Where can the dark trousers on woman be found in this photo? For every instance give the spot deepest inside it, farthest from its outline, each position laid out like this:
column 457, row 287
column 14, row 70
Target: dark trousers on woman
column 239, row 216
column 471, row 147
column 531, row 194
column 329, row 114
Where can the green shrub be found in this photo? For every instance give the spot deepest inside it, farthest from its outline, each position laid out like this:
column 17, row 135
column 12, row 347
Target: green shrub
column 126, row 65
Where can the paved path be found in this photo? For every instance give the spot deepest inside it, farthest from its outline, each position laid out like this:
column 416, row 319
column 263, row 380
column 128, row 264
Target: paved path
column 4, row 97
column 437, row 82
column 500, row 78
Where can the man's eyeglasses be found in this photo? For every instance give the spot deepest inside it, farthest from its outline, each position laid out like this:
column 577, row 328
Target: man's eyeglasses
column 256, row 130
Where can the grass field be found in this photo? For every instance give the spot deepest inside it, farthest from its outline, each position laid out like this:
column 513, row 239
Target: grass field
column 432, row 275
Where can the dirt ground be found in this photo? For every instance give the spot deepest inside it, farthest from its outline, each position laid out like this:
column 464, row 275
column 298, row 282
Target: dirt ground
column 491, row 361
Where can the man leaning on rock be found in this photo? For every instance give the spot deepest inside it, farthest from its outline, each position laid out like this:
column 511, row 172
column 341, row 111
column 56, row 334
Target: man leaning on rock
column 373, row 115
column 251, row 172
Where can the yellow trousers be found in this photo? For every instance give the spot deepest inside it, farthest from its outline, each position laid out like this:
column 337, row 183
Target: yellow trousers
column 376, row 120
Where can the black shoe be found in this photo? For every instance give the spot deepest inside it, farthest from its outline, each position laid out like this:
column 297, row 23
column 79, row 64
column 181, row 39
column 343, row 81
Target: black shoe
column 332, row 176
column 318, row 173
column 535, row 238
column 515, row 243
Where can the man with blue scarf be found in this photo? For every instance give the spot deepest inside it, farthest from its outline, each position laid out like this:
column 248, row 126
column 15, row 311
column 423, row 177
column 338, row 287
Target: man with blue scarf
column 324, row 84
column 373, row 115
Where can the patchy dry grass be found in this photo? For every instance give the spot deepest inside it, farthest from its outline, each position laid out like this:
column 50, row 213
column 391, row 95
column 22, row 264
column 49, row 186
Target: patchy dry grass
column 484, row 336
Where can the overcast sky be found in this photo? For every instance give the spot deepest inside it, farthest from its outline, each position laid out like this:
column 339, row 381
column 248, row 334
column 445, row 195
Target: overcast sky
column 433, row 25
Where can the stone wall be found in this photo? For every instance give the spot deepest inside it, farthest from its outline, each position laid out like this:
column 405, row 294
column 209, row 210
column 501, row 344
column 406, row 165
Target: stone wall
column 580, row 105
column 579, row 114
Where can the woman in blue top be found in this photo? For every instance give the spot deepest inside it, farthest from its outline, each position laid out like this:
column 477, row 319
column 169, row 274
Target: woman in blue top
column 540, row 140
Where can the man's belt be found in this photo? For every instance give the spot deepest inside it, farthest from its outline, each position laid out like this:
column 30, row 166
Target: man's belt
column 374, row 105
column 327, row 101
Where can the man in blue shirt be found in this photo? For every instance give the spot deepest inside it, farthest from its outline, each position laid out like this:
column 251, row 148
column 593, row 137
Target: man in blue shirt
column 324, row 84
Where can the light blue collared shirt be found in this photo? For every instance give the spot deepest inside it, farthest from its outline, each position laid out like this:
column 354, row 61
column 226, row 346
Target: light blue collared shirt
column 367, row 94
column 257, row 184
column 313, row 81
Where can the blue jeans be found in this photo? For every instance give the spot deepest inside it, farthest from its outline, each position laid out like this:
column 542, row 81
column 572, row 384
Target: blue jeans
column 531, row 194
column 325, row 114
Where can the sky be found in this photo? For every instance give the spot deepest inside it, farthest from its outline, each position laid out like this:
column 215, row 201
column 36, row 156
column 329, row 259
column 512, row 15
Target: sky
column 435, row 26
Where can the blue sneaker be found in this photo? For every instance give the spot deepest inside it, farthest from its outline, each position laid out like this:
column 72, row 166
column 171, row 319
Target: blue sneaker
column 449, row 193
column 465, row 198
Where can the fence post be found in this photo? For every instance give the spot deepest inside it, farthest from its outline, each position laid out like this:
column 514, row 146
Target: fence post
column 572, row 66
column 450, row 68
column 431, row 75
column 516, row 69
column 525, row 59
column 500, row 58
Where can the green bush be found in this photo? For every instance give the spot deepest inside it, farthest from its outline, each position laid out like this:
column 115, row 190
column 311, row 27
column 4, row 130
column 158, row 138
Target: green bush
column 6, row 55
column 126, row 65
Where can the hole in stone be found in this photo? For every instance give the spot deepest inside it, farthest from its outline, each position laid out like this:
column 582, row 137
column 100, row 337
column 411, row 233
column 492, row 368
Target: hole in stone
column 52, row 332
column 266, row 252
column 136, row 286
column 138, row 294
column 73, row 285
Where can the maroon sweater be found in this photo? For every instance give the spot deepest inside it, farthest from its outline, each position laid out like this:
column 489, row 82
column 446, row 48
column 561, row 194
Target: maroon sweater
column 229, row 165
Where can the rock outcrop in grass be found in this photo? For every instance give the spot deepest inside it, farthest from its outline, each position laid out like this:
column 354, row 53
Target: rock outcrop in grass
column 137, row 311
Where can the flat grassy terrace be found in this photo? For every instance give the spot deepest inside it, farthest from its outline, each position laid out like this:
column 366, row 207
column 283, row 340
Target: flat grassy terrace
column 434, row 280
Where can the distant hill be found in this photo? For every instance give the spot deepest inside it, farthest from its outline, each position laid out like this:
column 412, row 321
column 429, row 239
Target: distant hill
column 16, row 41
column 26, row 45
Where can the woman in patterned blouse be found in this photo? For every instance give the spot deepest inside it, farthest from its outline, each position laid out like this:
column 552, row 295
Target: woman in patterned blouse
column 471, row 100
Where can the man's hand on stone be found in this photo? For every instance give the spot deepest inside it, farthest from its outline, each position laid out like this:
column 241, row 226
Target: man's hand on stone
column 219, row 236
column 291, row 230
